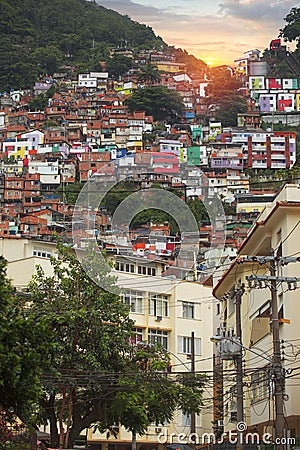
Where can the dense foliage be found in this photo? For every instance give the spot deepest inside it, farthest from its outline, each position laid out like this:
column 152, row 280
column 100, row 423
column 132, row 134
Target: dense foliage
column 37, row 37
column 193, row 64
column 20, row 346
column 66, row 357
column 291, row 31
column 223, row 97
column 157, row 101
column 277, row 60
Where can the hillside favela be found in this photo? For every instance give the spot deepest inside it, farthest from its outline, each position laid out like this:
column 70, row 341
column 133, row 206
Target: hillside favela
column 149, row 234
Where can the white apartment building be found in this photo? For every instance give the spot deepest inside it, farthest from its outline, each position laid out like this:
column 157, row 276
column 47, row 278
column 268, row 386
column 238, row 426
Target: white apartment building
column 49, row 171
column 166, row 311
column 276, row 232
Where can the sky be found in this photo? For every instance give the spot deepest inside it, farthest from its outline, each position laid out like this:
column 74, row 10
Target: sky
column 216, row 31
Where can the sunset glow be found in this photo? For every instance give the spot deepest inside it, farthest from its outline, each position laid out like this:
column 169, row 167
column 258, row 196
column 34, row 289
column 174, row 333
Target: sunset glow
column 217, row 32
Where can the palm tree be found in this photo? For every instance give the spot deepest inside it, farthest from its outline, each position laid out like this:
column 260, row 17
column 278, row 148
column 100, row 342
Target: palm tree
column 149, row 74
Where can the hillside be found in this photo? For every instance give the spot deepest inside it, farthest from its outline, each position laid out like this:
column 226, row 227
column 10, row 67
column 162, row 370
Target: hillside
column 40, row 36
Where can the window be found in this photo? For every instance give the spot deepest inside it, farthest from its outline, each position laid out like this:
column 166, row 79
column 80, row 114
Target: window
column 260, row 385
column 158, row 305
column 138, row 336
column 186, row 420
column 135, row 300
column 41, row 253
column 158, row 337
column 188, row 310
column 185, row 345
column 124, row 267
column 129, row 268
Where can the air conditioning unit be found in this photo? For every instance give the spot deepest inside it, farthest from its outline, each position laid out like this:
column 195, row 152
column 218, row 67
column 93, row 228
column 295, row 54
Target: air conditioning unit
column 158, row 318
column 158, row 430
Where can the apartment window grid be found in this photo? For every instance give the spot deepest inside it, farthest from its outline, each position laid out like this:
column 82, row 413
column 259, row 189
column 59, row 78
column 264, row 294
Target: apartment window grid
column 185, row 345
column 188, row 310
column 143, row 270
column 125, row 267
column 135, row 300
column 42, row 253
column 158, row 337
column 158, row 305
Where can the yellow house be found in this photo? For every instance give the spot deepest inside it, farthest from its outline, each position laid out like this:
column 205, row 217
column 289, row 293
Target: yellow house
column 172, row 67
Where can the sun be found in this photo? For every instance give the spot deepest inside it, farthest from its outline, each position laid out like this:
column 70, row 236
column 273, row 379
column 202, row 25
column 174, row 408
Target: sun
column 210, row 61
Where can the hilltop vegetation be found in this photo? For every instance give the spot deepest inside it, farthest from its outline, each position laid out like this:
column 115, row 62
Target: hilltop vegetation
column 41, row 37
column 38, row 36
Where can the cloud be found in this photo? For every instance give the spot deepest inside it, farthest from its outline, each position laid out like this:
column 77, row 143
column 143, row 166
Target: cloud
column 209, row 29
column 257, row 10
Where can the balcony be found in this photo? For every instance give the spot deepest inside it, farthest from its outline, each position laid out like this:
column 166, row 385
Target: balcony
column 278, row 165
column 278, row 156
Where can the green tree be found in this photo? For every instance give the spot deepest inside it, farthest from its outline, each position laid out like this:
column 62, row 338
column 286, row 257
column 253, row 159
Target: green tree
column 38, row 103
column 89, row 337
column 93, row 375
column 149, row 74
column 291, row 31
column 118, row 65
column 99, row 53
column 70, row 192
column 48, row 59
column 198, row 209
column 157, row 101
column 224, row 97
column 21, row 345
column 153, row 394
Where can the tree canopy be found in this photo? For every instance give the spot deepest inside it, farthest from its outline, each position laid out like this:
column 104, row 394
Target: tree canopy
column 21, row 344
column 149, row 74
column 69, row 359
column 157, row 101
column 224, row 97
column 291, row 31
column 118, row 65
column 89, row 335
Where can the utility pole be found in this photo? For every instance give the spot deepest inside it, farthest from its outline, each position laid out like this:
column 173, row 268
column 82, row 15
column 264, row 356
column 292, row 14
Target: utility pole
column 258, row 281
column 239, row 368
column 193, row 415
column 277, row 365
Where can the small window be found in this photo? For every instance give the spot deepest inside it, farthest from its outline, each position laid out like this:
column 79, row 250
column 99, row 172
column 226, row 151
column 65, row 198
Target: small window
column 158, row 305
column 137, row 337
column 186, row 420
column 188, row 310
column 158, row 337
column 135, row 300
column 185, row 345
